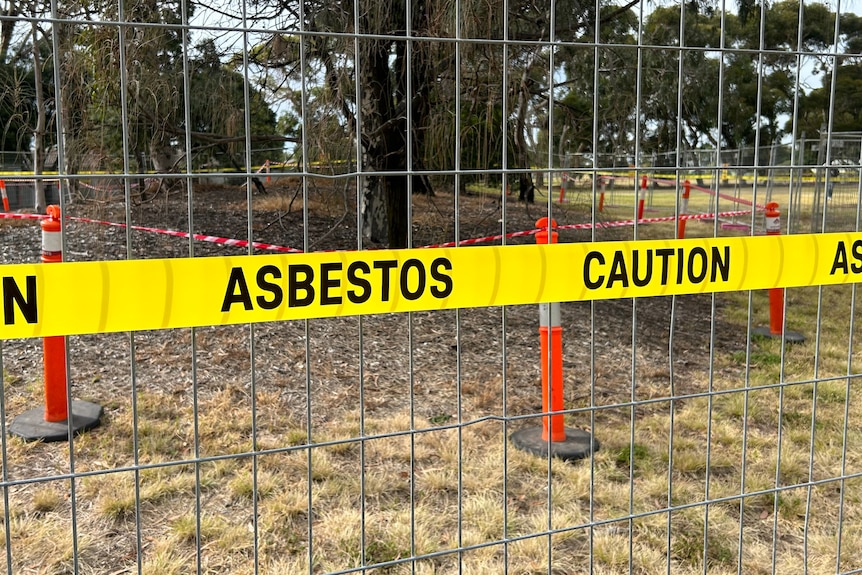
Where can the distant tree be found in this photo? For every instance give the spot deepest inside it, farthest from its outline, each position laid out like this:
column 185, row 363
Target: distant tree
column 217, row 109
column 758, row 68
column 419, row 95
column 40, row 130
column 847, row 117
column 17, row 107
column 155, row 96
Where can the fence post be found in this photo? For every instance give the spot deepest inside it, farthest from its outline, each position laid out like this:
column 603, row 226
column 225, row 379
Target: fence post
column 601, row 193
column 776, row 295
column 52, row 422
column 683, row 209
column 642, row 197
column 564, row 442
column 563, row 179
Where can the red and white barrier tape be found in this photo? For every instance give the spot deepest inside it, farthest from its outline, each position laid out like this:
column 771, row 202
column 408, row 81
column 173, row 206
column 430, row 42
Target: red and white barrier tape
column 473, row 241
column 709, row 191
column 623, row 223
column 200, row 237
column 617, row 224
column 16, row 216
column 14, row 181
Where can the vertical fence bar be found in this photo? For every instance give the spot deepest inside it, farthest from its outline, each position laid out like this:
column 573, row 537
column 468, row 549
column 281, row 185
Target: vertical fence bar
column 504, row 186
column 127, row 216
column 248, row 162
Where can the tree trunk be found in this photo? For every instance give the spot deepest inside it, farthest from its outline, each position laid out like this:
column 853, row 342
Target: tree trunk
column 526, row 189
column 7, row 28
column 383, row 201
column 383, row 205
column 72, row 91
column 374, row 210
column 375, row 107
column 41, row 122
column 385, row 100
column 397, row 199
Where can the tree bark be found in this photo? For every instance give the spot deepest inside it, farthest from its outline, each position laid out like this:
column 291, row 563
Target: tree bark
column 376, row 113
column 384, row 104
column 41, row 123
column 374, row 210
column 526, row 188
column 7, row 28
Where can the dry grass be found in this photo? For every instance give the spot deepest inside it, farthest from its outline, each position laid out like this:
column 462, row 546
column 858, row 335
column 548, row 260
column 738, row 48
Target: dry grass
column 706, row 485
column 460, row 495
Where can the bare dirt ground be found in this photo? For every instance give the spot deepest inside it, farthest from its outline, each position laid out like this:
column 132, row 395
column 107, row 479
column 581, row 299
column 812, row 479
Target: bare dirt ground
column 428, row 353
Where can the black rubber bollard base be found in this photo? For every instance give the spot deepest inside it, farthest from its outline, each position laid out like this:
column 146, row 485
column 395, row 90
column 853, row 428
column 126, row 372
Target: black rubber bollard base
column 789, row 336
column 578, row 444
column 31, row 425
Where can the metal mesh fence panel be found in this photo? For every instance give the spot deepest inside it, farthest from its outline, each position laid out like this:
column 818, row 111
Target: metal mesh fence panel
column 667, row 434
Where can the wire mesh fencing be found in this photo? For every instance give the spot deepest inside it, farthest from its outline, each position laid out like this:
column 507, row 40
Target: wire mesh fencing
column 434, row 441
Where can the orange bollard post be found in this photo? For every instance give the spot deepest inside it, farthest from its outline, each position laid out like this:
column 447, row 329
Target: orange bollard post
column 563, row 179
column 602, row 194
column 563, row 442
column 551, row 335
column 776, row 295
column 642, row 197
column 54, row 348
column 683, row 209
column 52, row 422
column 5, row 197
column 268, row 179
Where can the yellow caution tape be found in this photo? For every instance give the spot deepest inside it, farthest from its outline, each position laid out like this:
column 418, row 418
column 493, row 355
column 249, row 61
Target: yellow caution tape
column 94, row 297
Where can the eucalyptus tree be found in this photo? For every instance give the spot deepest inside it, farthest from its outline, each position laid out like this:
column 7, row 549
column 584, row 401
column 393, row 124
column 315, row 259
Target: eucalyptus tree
column 388, row 88
column 755, row 52
column 847, row 107
column 17, row 97
column 598, row 87
column 217, row 111
column 66, row 42
column 17, row 108
column 24, row 33
column 419, row 88
column 846, row 68
column 138, row 84
column 123, row 87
